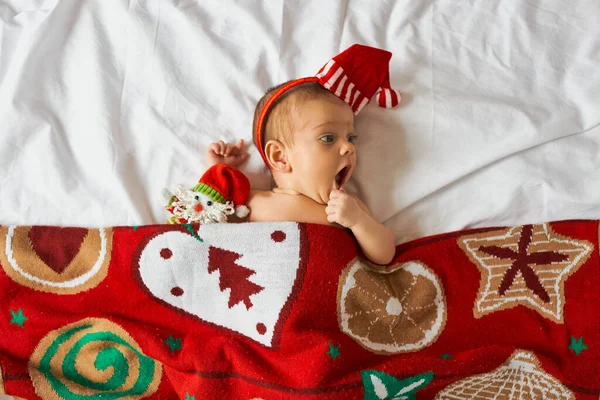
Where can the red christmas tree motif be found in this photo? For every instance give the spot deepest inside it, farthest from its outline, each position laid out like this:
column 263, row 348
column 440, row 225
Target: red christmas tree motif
column 232, row 276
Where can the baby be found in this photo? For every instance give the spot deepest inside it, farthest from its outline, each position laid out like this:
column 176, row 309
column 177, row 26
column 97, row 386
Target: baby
column 305, row 134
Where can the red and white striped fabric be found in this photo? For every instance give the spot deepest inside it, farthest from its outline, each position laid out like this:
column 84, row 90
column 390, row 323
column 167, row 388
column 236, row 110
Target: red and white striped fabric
column 333, row 78
column 388, row 97
column 359, row 73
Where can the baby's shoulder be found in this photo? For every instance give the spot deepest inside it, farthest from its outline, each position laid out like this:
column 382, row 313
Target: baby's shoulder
column 263, row 205
column 263, row 199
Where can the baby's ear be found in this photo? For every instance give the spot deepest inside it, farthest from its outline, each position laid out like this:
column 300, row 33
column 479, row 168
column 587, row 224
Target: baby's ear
column 276, row 154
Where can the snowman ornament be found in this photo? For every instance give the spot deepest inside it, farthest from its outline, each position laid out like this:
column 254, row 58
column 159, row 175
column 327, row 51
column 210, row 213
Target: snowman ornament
column 221, row 192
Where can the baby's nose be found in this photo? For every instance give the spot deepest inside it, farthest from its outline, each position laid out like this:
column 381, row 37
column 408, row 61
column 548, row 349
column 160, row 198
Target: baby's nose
column 198, row 207
column 347, row 148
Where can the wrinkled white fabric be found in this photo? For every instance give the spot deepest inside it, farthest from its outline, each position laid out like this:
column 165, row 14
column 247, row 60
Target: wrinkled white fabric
column 105, row 103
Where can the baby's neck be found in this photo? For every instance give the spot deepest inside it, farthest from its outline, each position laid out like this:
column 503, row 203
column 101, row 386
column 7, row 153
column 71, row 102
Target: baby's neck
column 293, row 193
column 286, row 191
column 280, row 185
column 289, row 188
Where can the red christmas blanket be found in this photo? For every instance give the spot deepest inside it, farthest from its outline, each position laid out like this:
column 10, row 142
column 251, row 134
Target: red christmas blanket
column 293, row 311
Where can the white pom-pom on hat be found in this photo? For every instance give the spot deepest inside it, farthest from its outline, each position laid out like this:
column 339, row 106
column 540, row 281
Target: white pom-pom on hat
column 242, row 211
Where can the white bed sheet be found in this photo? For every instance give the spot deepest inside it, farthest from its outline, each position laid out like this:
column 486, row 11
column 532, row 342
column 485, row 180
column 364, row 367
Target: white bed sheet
column 104, row 103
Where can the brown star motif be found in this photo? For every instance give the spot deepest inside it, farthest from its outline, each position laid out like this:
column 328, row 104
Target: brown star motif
column 525, row 265
column 522, row 259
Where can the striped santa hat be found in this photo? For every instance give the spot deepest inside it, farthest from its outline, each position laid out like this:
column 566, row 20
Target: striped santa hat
column 355, row 75
column 358, row 73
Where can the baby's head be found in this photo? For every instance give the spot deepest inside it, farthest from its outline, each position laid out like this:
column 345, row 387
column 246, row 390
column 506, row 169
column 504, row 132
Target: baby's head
column 308, row 140
column 306, row 126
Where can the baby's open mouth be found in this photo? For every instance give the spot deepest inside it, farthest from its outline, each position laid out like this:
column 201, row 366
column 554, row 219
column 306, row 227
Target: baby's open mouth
column 342, row 177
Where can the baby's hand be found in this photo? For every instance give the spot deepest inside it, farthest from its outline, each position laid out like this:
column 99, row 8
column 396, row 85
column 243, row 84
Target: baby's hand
column 226, row 153
column 343, row 209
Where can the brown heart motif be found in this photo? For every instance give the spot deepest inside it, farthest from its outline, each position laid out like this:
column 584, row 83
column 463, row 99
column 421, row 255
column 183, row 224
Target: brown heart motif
column 56, row 246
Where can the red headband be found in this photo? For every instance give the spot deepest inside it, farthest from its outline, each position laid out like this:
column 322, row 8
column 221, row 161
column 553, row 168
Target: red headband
column 263, row 113
column 355, row 76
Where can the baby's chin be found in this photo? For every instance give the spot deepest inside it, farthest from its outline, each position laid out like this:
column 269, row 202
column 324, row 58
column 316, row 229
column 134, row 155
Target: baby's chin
column 319, row 197
column 324, row 193
column 320, row 194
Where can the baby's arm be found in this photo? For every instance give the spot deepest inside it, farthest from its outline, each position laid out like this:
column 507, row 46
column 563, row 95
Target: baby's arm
column 375, row 239
column 226, row 153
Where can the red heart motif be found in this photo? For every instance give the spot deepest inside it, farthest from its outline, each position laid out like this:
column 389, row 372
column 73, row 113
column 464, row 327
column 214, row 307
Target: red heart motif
column 56, row 246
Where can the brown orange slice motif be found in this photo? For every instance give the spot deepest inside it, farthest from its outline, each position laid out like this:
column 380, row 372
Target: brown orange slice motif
column 54, row 259
column 398, row 310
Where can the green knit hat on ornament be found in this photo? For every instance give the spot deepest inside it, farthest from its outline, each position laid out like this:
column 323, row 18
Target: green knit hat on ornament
column 210, row 192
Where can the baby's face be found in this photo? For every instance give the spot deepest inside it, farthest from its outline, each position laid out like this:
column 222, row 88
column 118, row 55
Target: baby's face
column 323, row 156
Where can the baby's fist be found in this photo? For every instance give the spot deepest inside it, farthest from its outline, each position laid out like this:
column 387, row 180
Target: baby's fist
column 343, row 209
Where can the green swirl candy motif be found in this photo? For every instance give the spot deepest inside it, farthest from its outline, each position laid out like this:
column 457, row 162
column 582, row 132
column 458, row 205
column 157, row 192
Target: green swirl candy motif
column 92, row 358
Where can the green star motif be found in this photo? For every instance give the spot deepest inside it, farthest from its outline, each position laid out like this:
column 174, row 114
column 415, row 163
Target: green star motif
column 174, row 344
column 188, row 397
column 577, row 345
column 18, row 318
column 446, row 356
column 334, row 351
column 135, row 227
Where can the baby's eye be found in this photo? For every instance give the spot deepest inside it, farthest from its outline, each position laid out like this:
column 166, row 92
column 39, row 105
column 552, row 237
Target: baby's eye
column 209, row 203
column 352, row 138
column 197, row 197
column 326, row 139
